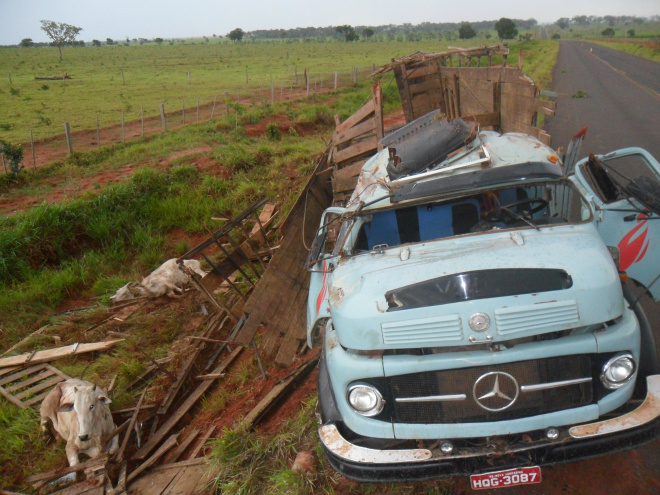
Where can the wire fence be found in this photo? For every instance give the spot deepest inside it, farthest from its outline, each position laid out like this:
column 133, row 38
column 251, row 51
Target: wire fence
column 89, row 133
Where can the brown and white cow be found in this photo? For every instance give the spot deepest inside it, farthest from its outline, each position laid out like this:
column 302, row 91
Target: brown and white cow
column 80, row 414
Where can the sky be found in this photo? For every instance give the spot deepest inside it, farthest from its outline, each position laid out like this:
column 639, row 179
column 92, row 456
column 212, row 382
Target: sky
column 118, row 19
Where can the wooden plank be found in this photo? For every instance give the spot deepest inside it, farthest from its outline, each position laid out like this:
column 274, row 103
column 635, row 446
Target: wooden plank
column 364, row 128
column 185, row 443
column 277, row 392
column 57, row 353
column 362, row 114
column 514, row 89
column 184, row 408
column 83, row 488
column 422, row 71
column 131, row 424
column 485, row 119
column 346, row 178
column 58, row 473
column 45, row 373
column 180, row 464
column 12, row 399
column 21, row 374
column 367, row 146
column 38, row 388
column 528, row 105
column 295, row 336
column 402, row 85
column 167, row 445
column 36, row 399
column 377, row 93
column 154, row 482
column 5, row 371
column 201, row 442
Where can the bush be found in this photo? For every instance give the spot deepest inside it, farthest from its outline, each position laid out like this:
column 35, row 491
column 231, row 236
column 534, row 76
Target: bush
column 13, row 154
column 273, row 132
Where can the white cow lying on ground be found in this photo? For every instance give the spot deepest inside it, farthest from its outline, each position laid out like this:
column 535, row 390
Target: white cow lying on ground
column 167, row 279
column 79, row 413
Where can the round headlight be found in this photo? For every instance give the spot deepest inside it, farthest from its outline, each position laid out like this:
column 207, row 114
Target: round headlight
column 365, row 399
column 618, row 371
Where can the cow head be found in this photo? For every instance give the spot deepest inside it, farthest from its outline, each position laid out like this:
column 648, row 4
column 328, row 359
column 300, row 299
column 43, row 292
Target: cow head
column 129, row 291
column 91, row 407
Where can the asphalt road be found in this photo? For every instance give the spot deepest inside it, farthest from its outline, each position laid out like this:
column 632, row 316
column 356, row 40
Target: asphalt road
column 622, row 107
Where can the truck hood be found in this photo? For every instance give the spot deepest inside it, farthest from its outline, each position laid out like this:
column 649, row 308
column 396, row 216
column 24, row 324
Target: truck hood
column 364, row 320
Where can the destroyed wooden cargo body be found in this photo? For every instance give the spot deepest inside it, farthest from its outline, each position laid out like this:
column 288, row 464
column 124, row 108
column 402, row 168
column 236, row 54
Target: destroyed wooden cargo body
column 469, row 309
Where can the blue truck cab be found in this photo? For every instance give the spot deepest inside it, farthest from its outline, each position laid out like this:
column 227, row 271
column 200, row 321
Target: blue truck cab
column 469, row 303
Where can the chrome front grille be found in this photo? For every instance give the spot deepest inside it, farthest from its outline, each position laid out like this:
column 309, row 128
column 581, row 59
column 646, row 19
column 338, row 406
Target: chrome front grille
column 423, row 330
column 453, row 396
column 551, row 316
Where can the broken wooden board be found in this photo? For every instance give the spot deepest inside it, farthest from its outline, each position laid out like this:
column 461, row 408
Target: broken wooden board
column 162, row 450
column 190, row 401
column 278, row 392
column 27, row 388
column 40, row 479
column 185, row 478
column 56, row 353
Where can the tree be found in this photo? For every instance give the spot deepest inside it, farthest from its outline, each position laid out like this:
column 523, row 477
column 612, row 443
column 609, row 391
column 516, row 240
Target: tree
column 607, row 32
column 236, row 35
column 61, row 33
column 367, row 33
column 159, row 40
column 563, row 22
column 555, row 36
column 506, row 29
column 96, row 43
column 109, row 41
column 27, row 42
column 466, row 31
column 348, row 32
column 582, row 20
column 631, row 33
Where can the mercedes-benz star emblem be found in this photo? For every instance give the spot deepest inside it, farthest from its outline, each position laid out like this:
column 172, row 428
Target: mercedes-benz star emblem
column 495, row 391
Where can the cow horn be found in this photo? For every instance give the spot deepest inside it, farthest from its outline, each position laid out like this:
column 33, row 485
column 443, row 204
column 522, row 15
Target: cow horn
column 94, row 389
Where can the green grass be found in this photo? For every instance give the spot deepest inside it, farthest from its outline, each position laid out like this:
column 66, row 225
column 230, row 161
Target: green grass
column 650, row 51
column 158, row 74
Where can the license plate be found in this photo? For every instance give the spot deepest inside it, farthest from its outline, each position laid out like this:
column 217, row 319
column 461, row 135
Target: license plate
column 510, row 477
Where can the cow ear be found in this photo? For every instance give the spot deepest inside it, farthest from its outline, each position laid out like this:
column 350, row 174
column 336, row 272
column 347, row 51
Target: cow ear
column 105, row 399
column 68, row 407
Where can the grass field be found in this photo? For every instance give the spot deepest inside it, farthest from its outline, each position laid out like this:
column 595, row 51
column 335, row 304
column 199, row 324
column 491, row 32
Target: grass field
column 155, row 74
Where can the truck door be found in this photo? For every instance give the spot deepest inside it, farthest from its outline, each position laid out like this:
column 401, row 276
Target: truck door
column 625, row 190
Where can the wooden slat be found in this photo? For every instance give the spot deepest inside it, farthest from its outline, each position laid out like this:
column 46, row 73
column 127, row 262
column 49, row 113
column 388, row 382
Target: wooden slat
column 36, row 399
column 57, row 353
column 368, row 126
column 201, row 442
column 362, row 114
column 526, row 105
column 20, row 374
column 367, row 146
column 185, row 443
column 485, row 119
column 58, row 473
column 277, row 393
column 38, row 388
column 518, row 90
column 12, row 399
column 423, row 71
column 346, row 178
column 190, row 401
column 45, row 373
column 167, row 445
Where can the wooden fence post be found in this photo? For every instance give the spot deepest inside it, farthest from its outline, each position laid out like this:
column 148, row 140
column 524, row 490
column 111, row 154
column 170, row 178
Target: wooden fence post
column 162, row 117
column 67, row 132
column 9, row 76
column 188, row 77
column 183, row 112
column 281, row 90
column 213, row 107
column 335, row 79
column 34, row 158
column 307, row 82
column 3, row 162
column 123, row 81
column 246, row 75
column 272, row 93
column 373, row 67
column 197, row 109
column 142, row 120
column 98, row 133
column 123, row 133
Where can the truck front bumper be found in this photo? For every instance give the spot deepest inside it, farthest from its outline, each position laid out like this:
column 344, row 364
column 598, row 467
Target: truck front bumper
column 582, row 442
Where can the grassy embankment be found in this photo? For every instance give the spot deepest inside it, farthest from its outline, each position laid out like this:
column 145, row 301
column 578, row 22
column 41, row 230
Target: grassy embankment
column 88, row 246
